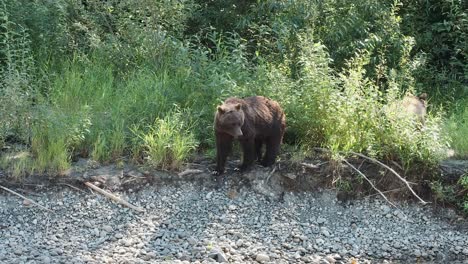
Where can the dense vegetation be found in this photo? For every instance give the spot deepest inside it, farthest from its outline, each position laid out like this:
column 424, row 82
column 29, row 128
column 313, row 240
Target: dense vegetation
column 108, row 79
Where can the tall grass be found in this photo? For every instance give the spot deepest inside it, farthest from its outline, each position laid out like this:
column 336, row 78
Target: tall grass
column 456, row 127
column 109, row 87
column 168, row 142
column 89, row 108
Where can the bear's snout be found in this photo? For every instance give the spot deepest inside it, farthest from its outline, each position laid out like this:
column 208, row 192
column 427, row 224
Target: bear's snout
column 238, row 133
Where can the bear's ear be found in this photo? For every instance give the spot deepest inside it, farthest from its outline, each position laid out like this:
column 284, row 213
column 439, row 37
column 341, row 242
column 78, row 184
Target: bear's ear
column 423, row 96
column 221, row 110
column 238, row 107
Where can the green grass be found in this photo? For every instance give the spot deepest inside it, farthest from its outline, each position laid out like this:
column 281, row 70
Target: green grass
column 456, row 126
column 95, row 105
column 168, row 142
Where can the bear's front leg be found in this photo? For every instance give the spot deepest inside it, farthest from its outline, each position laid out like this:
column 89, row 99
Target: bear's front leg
column 223, row 148
column 249, row 154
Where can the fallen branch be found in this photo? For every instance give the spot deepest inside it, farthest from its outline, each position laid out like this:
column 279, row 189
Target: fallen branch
column 310, row 165
column 407, row 183
column 369, row 181
column 17, row 194
column 270, row 174
column 392, row 171
column 396, row 164
column 189, row 171
column 113, row 197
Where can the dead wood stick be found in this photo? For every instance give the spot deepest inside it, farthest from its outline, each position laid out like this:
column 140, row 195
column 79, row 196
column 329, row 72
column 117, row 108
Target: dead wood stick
column 270, row 174
column 392, row 171
column 113, row 197
column 385, row 166
column 310, row 165
column 189, row 171
column 17, row 194
column 369, row 181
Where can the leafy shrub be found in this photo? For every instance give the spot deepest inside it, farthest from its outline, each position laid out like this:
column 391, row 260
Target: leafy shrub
column 168, row 142
column 55, row 134
column 105, row 69
column 17, row 79
column 440, row 31
column 456, row 127
column 346, row 112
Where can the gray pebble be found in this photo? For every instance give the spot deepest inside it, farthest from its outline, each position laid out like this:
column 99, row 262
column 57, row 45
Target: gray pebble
column 262, row 257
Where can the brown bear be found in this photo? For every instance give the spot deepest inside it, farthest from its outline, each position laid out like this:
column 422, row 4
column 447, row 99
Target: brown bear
column 416, row 106
column 254, row 121
column 410, row 107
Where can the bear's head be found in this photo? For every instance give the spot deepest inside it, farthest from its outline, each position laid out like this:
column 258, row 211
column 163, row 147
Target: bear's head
column 230, row 119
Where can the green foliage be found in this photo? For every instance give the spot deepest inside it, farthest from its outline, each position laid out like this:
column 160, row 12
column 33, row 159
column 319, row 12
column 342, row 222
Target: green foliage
column 463, row 182
column 348, row 112
column 55, row 133
column 443, row 193
column 168, row 142
column 105, row 71
column 440, row 29
column 17, row 78
column 455, row 194
column 457, row 128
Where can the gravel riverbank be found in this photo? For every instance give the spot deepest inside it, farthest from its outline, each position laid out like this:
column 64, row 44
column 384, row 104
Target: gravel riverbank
column 192, row 223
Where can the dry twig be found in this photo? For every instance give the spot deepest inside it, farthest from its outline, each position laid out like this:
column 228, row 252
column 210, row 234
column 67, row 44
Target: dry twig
column 392, row 171
column 189, row 171
column 369, row 181
column 17, row 194
column 407, row 183
column 113, row 197
column 270, row 174
column 310, row 165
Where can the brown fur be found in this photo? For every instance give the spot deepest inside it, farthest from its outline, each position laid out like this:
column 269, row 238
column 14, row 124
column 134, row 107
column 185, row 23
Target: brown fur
column 254, row 121
column 416, row 105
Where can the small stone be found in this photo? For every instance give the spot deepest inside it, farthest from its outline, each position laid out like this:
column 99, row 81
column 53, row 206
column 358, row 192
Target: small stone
column 232, row 207
column 107, row 228
column 239, row 243
column 465, row 251
column 45, row 260
column 330, row 259
column 321, row 220
column 262, row 257
column 336, row 256
column 325, row 232
column 221, row 257
column 218, row 255
column 87, row 224
column 27, row 202
column 128, row 243
column 192, row 241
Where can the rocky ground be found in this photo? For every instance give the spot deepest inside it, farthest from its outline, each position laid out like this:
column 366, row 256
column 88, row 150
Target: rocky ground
column 189, row 222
